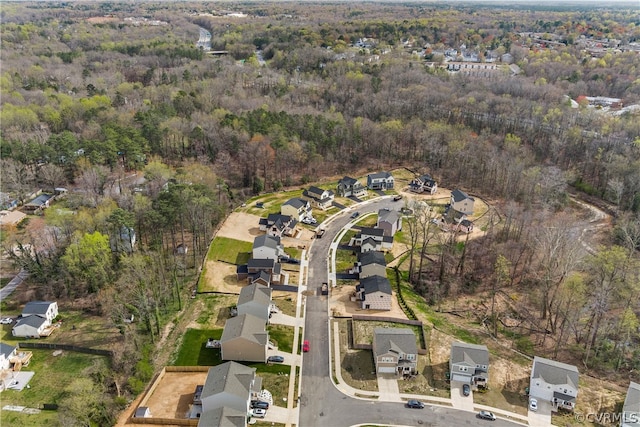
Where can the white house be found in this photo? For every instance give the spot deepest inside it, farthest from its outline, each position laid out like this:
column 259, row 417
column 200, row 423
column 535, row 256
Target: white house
column 374, row 293
column 318, row 197
column 462, row 202
column 351, row 187
column 46, row 309
column 267, row 247
column 33, row 326
column 554, row 382
column 296, row 208
column 380, row 181
column 6, row 353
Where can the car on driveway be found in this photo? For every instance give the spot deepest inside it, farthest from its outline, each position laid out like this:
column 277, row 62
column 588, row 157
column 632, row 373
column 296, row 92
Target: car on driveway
column 305, row 346
column 533, row 404
column 275, row 359
column 466, row 390
column 416, row 404
column 6, row 321
column 258, row 412
column 486, row 415
column 259, row 404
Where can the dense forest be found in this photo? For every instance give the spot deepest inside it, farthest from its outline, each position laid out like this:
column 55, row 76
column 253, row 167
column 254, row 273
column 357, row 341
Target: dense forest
column 288, row 94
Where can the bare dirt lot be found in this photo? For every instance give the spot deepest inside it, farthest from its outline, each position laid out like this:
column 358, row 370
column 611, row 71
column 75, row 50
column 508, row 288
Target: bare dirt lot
column 342, row 305
column 240, row 226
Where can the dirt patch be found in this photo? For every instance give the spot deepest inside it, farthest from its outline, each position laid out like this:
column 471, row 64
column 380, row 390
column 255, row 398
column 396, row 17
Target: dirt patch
column 241, row 226
column 173, row 395
column 341, row 304
column 221, row 277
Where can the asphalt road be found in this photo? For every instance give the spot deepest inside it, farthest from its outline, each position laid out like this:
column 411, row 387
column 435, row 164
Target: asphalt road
column 321, row 404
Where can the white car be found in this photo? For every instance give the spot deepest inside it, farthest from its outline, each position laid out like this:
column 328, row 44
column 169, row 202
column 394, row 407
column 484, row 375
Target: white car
column 258, row 412
column 6, row 321
column 533, row 405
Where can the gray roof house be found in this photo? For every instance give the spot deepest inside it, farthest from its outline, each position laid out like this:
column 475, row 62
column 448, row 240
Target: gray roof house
column 6, row 352
column 255, row 268
column 390, row 221
column 374, row 293
column 267, row 247
column 278, row 225
column 46, row 309
column 40, row 202
column 462, row 202
column 244, row 338
column 255, row 299
column 423, row 184
column 380, row 181
column 469, row 364
column 371, row 263
column 297, row 208
column 631, row 407
column 554, row 382
column 226, row 395
column 32, row 326
column 371, row 239
column 351, row 187
column 318, row 197
column 395, row 351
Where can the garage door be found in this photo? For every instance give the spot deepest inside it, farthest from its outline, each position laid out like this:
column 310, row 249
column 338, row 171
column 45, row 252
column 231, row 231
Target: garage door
column 460, row 378
column 386, row 370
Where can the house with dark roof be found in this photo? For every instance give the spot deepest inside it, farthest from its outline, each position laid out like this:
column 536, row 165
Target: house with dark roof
column 46, row 309
column 39, row 203
column 554, row 382
column 395, row 351
column 469, row 364
column 390, row 221
column 374, row 293
column 380, row 181
column 6, row 353
column 255, row 299
column 226, row 395
column 296, row 208
column 256, row 268
column 462, row 202
column 371, row 239
column 278, row 225
column 371, row 263
column 244, row 338
column 33, row 326
column 318, row 197
column 631, row 407
column 351, row 187
column 268, row 247
column 423, row 184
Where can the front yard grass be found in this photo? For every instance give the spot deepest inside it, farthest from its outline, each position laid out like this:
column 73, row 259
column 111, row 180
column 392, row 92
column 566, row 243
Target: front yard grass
column 282, row 336
column 48, row 385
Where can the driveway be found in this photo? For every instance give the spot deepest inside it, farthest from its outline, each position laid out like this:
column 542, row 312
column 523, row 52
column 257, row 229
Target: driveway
column 458, row 400
column 388, row 388
column 542, row 417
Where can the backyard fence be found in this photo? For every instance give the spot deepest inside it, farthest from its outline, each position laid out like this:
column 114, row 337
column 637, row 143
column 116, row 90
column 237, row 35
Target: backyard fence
column 52, row 346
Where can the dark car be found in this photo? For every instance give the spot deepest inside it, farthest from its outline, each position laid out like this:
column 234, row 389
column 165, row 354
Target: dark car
column 275, row 359
column 259, row 404
column 416, row 404
column 355, row 215
column 486, row 415
column 466, row 390
column 398, row 197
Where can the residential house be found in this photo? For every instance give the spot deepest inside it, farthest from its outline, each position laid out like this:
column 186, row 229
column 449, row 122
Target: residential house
column 47, row 309
column 255, row 299
column 278, row 225
column 461, row 202
column 244, row 338
column 11, row 218
column 6, row 353
column 351, row 187
column 33, row 326
column 374, row 293
column 268, row 247
column 39, row 203
column 371, row 239
column 318, row 197
column 255, row 268
column 226, row 395
column 380, row 181
column 371, row 263
column 390, row 221
column 464, row 226
column 469, row 364
column 423, row 184
column 395, row 351
column 554, row 382
column 631, row 407
column 296, row 208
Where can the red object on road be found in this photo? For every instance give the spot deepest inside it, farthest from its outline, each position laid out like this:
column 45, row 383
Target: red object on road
column 305, row 346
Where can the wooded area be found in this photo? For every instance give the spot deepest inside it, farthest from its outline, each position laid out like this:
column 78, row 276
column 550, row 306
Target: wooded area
column 93, row 93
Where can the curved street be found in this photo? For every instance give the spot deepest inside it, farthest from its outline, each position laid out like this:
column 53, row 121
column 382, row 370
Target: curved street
column 321, row 402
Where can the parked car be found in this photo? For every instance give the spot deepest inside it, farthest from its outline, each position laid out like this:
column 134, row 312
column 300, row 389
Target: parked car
column 305, row 346
column 260, row 205
column 275, row 359
column 260, row 404
column 416, row 404
column 6, row 321
column 320, row 233
column 466, row 390
column 533, row 404
column 258, row 412
column 310, row 221
column 355, row 215
column 397, row 197
column 486, row 415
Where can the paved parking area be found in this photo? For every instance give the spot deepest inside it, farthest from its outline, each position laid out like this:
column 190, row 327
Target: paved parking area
column 464, row 403
column 542, row 417
column 388, row 388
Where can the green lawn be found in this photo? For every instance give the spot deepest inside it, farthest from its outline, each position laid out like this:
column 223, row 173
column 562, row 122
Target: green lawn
column 193, row 351
column 344, row 260
column 282, row 336
column 52, row 375
column 230, row 250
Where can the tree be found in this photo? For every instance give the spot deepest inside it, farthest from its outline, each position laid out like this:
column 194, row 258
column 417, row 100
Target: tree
column 84, row 404
column 88, row 264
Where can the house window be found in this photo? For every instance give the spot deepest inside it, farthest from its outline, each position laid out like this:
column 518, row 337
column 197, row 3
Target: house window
column 463, row 368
